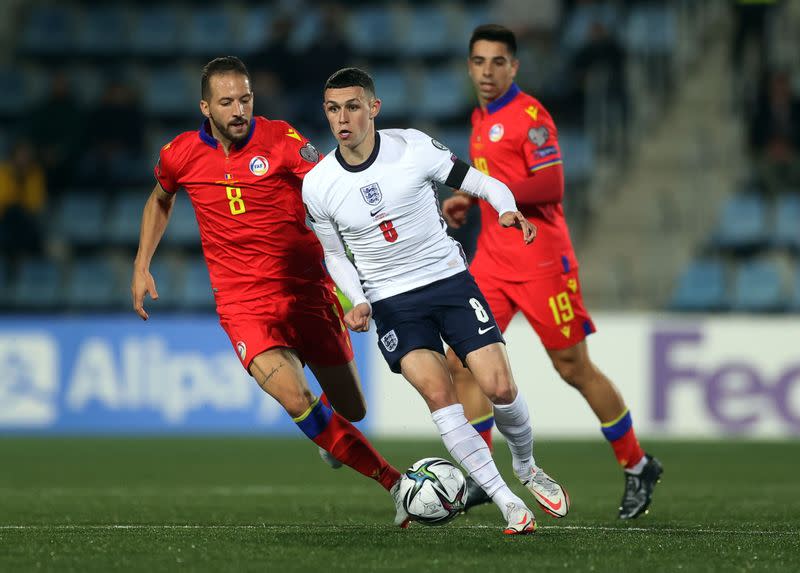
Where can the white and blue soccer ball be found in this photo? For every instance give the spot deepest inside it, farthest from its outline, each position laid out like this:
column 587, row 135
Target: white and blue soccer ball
column 433, row 491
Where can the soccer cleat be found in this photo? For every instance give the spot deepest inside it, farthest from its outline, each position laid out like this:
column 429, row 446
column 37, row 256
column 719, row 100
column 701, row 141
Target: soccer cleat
column 520, row 520
column 401, row 518
column 552, row 498
column 328, row 458
column 639, row 489
column 475, row 495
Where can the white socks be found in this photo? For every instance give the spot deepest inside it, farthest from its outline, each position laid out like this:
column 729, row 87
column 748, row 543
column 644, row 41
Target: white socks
column 472, row 453
column 514, row 422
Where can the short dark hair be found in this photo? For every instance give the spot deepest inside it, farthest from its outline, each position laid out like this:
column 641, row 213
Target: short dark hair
column 349, row 77
column 222, row 65
column 494, row 33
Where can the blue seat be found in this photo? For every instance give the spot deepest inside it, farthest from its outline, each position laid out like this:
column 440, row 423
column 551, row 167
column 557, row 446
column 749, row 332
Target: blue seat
column 182, row 230
column 82, row 219
column 428, row 32
column 255, row 29
column 443, row 94
column 105, row 31
column 743, row 224
column 166, row 273
column 701, row 287
column 195, row 292
column 394, row 90
column 14, row 87
column 373, row 30
column 210, row 31
column 794, row 301
column 92, row 284
column 577, row 154
column 787, row 222
column 457, row 139
column 38, row 285
column 758, row 287
column 171, row 92
column 124, row 219
column 156, row 30
column 49, row 30
column 652, row 30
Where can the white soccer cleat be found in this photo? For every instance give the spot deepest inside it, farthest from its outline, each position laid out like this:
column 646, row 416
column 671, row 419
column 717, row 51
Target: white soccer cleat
column 520, row 520
column 401, row 518
column 552, row 498
column 328, row 458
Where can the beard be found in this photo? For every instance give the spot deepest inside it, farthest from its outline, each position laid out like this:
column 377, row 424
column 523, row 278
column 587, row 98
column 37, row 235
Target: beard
column 227, row 133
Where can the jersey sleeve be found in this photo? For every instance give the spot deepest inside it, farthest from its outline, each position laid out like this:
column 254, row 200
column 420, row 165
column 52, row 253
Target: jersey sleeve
column 433, row 157
column 167, row 168
column 540, row 146
column 300, row 156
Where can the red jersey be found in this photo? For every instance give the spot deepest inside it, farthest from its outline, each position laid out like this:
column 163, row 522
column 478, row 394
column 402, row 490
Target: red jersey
column 249, row 207
column 512, row 139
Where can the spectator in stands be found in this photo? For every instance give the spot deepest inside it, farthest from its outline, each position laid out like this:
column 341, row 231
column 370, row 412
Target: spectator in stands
column 57, row 129
column 750, row 29
column 115, row 135
column 22, row 201
column 775, row 134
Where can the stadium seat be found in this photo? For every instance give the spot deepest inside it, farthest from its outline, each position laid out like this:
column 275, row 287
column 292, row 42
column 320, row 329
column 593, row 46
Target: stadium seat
column 652, row 30
column 81, row 219
column 794, row 301
column 38, row 285
column 577, row 154
column 104, row 32
column 49, row 30
column 210, row 31
column 124, row 219
column 255, row 28
column 92, row 284
column 166, row 273
column 182, row 230
column 171, row 92
column 457, row 139
column 742, row 225
column 429, row 32
column 195, row 292
column 442, row 94
column 580, row 20
column 373, row 30
column 394, row 90
column 4, row 283
column 758, row 287
column 157, row 30
column 701, row 287
column 787, row 222
column 13, row 86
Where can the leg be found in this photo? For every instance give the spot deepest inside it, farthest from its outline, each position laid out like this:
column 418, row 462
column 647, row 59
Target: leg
column 477, row 407
column 279, row 372
column 492, row 372
column 427, row 372
column 342, row 386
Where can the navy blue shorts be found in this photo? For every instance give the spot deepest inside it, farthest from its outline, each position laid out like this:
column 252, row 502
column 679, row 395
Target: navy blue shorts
column 452, row 309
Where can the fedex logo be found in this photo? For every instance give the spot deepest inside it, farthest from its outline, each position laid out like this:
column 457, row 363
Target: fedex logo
column 738, row 394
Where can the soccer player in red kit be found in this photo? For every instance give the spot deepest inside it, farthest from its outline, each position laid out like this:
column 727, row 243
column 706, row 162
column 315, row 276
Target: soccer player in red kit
column 275, row 301
column 515, row 140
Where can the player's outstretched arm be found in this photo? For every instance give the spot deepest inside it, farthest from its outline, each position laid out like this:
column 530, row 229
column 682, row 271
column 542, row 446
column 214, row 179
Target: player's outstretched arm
column 154, row 222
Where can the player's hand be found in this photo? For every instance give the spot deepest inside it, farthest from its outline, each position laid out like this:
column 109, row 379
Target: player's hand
column 455, row 210
column 142, row 283
column 357, row 318
column 518, row 220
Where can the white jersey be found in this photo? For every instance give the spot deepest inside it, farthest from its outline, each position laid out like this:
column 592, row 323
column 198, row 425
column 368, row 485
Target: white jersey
column 387, row 212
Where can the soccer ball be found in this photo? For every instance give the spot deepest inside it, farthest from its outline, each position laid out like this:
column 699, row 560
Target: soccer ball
column 433, row 491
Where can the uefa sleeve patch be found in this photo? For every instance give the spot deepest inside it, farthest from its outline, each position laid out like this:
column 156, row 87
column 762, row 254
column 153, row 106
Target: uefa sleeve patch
column 439, row 145
column 538, row 135
column 309, row 153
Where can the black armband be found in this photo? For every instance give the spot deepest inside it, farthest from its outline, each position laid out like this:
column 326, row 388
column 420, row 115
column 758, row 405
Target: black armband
column 457, row 174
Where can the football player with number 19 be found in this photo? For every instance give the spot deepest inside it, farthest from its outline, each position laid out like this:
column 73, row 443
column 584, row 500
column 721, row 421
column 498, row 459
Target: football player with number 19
column 514, row 139
column 376, row 193
column 243, row 176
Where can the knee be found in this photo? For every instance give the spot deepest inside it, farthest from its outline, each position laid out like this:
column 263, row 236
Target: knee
column 296, row 401
column 573, row 371
column 500, row 388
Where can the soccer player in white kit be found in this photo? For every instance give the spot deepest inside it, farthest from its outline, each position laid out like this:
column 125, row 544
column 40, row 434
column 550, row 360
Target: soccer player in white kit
column 376, row 193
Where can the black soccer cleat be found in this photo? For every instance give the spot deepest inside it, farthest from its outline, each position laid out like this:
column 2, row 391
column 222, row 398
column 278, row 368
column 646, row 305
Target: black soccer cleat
column 639, row 489
column 475, row 495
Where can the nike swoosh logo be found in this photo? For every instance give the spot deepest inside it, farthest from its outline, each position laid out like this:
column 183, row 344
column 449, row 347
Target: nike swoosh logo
column 553, row 506
column 376, row 211
column 485, row 330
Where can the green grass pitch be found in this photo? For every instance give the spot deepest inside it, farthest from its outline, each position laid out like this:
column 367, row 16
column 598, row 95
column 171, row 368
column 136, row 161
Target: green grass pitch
column 259, row 504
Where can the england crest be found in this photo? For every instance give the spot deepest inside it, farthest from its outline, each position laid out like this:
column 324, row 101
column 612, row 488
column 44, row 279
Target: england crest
column 372, row 194
column 389, row 341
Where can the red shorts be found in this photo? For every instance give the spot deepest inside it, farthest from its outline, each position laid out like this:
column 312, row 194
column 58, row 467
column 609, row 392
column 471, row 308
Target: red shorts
column 552, row 304
column 308, row 319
